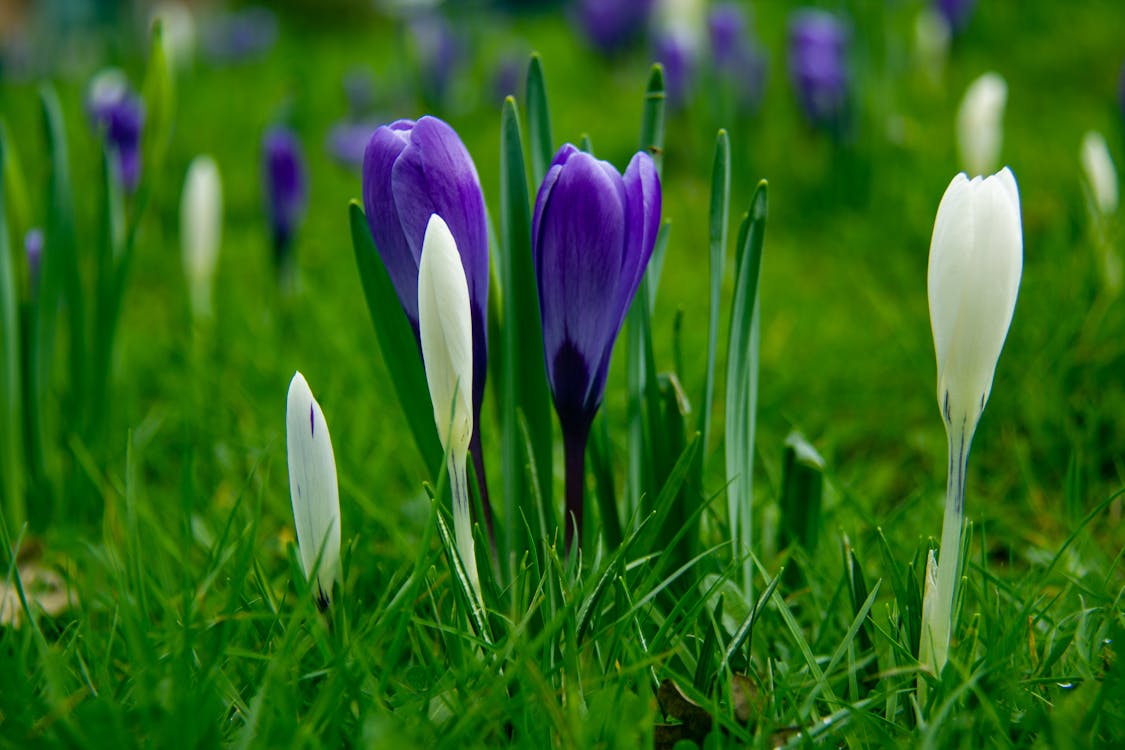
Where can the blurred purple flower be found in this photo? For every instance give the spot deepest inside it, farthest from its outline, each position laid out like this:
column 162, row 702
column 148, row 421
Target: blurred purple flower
column 610, row 25
column 359, row 90
column 242, row 35
column 286, row 188
column 818, row 64
column 119, row 114
column 347, row 142
column 592, row 236
column 679, row 57
column 955, row 12
column 738, row 61
column 412, row 170
column 439, row 51
column 507, row 80
column 33, row 247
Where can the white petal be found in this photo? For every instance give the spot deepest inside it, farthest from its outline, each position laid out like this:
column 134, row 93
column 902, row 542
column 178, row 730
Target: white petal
column 979, row 123
column 1100, row 173
column 312, row 485
column 201, row 222
column 447, row 335
column 976, row 260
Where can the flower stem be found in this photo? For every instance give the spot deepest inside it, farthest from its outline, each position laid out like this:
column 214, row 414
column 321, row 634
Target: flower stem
column 574, row 448
column 462, row 522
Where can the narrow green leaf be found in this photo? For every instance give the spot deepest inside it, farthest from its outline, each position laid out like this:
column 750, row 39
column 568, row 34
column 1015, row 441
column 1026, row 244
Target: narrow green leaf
column 159, row 97
column 601, row 466
column 12, row 502
column 15, row 189
column 802, row 486
column 709, row 650
column 525, row 373
column 396, row 341
column 745, row 630
column 719, row 218
column 538, row 121
column 742, row 380
column 652, row 118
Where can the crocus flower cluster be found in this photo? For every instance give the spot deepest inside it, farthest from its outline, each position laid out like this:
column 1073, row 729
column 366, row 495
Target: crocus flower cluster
column 593, row 233
column 286, row 189
column 411, row 171
column 976, row 259
column 118, row 112
column 818, row 65
column 736, row 55
column 611, row 25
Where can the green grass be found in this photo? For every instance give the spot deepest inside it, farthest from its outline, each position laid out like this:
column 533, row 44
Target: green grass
column 191, row 624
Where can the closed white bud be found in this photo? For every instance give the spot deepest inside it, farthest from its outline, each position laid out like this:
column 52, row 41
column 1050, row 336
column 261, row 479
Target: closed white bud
column 447, row 336
column 201, row 225
column 980, row 127
column 1101, row 177
column 976, row 259
column 313, row 488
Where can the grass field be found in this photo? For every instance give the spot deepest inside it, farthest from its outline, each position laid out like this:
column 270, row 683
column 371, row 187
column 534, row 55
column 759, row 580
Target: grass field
column 190, row 623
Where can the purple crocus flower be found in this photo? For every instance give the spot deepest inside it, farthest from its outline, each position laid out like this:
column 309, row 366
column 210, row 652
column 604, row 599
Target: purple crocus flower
column 818, row 64
column 592, row 236
column 610, row 25
column 955, row 12
column 678, row 55
column 119, row 114
column 739, row 63
column 347, row 142
column 286, row 188
column 33, row 247
column 726, row 26
column 412, row 170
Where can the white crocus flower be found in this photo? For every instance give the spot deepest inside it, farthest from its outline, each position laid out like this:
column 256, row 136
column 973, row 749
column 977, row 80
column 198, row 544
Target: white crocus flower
column 1101, row 177
column 980, row 132
column 201, row 222
column 313, row 487
column 976, row 259
column 446, row 332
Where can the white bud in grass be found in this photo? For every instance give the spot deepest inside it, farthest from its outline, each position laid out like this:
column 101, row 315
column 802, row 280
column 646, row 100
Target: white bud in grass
column 1101, row 177
column 313, row 488
column 445, row 328
column 980, row 132
column 976, row 259
column 201, row 223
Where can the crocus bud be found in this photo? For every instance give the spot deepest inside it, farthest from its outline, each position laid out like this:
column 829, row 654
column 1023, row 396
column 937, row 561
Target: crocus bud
column 611, row 25
column 119, row 114
column 286, row 190
column 313, row 488
column 447, row 335
column 818, row 65
column 976, row 258
column 33, row 247
column 1101, row 177
column 980, row 131
column 447, row 353
column 201, row 223
column 592, row 236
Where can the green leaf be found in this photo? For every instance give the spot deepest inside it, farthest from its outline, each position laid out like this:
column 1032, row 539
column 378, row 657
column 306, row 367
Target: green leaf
column 538, row 121
column 719, row 218
column 159, row 97
column 652, row 118
column 15, row 189
column 802, row 486
column 742, row 380
column 12, row 502
column 396, row 341
column 525, row 373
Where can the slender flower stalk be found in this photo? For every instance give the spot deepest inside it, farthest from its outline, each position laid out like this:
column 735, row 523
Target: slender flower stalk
column 976, row 259
column 447, row 353
column 980, row 127
column 412, row 170
column 201, row 225
column 592, row 236
column 313, row 489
